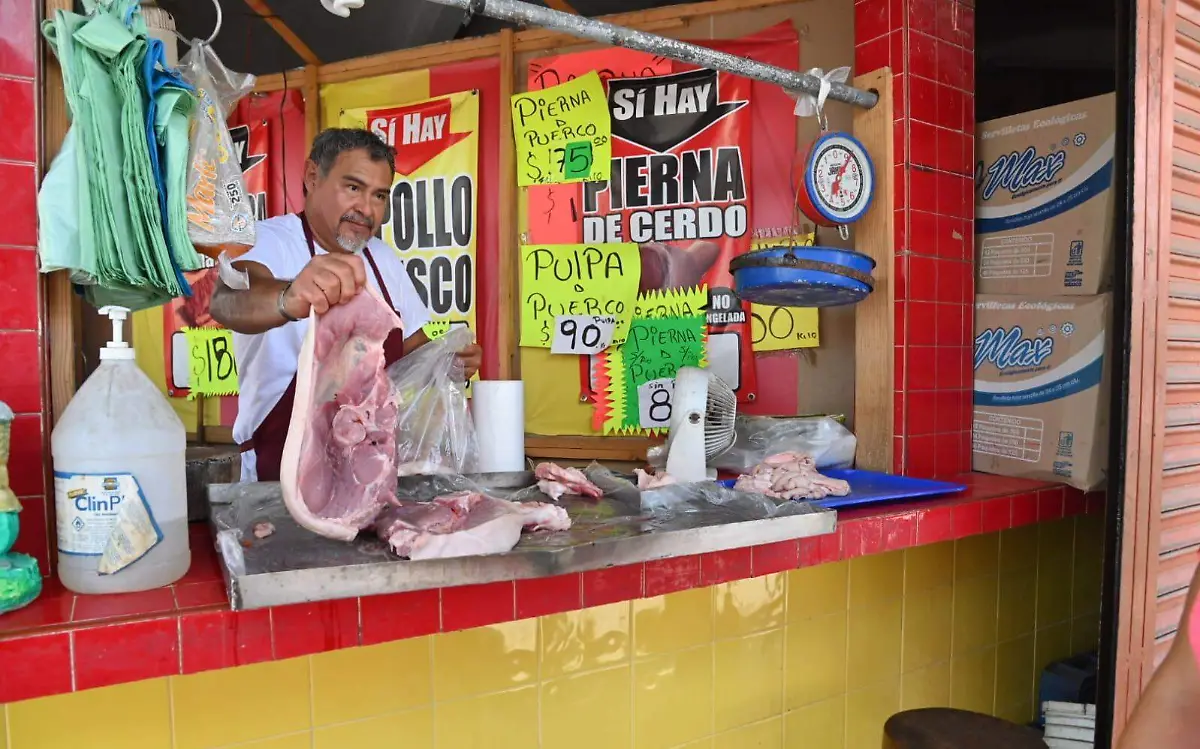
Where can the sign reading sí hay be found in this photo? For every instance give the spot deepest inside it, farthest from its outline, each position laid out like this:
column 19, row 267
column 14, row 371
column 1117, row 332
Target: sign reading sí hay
column 679, row 188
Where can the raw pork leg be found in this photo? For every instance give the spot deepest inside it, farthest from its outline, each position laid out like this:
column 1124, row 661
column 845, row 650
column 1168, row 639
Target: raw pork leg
column 791, row 475
column 338, row 465
column 555, row 481
column 464, row 524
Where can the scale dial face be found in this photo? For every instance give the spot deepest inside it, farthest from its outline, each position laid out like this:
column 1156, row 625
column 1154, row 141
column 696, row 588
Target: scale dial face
column 840, row 178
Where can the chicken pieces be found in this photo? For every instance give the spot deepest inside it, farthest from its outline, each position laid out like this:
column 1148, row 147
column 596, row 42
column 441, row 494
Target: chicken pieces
column 791, row 475
column 554, row 481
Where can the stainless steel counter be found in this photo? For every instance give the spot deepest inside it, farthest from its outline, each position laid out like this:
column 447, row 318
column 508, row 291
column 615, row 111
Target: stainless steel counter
column 293, row 565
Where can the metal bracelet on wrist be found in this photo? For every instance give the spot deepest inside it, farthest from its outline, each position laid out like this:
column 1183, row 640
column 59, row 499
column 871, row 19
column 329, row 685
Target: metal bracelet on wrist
column 282, row 309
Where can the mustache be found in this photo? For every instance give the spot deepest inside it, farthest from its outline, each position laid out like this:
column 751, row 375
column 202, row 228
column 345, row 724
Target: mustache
column 354, row 217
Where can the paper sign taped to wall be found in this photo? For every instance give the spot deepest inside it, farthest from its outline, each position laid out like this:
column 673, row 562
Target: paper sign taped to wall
column 577, row 279
column 213, row 368
column 607, row 367
column 563, row 134
column 654, row 351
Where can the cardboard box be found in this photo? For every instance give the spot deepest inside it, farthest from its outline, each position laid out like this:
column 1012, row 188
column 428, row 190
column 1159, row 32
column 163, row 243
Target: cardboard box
column 1043, row 200
column 1041, row 388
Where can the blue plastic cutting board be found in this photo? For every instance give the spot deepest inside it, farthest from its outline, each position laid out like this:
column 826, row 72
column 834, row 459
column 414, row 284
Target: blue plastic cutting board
column 869, row 487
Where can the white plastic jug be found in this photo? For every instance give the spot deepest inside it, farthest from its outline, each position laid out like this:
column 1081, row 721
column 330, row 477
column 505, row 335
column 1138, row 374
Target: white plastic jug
column 120, row 490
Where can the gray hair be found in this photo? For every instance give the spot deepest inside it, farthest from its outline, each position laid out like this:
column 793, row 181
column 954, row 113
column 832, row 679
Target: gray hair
column 329, row 144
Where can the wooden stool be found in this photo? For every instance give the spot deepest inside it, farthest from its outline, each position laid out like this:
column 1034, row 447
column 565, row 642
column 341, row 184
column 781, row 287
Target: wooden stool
column 944, row 728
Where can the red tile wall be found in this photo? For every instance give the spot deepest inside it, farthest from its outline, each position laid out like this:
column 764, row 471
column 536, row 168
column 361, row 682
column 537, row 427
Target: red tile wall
column 22, row 366
column 930, row 47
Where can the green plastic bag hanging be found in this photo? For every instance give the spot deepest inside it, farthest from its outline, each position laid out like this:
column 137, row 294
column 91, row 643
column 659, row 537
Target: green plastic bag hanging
column 59, row 245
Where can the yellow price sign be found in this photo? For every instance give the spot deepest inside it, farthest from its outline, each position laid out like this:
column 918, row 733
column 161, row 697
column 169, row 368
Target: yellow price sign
column 783, row 328
column 563, row 134
column 564, row 280
column 211, row 363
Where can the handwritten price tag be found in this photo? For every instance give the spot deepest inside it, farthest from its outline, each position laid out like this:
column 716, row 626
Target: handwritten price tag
column 582, row 334
column 783, row 328
column 576, row 280
column 654, row 403
column 564, row 133
column 213, row 368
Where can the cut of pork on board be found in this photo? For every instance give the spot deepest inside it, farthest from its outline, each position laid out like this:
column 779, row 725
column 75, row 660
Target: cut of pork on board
column 338, row 469
column 554, row 481
column 464, row 524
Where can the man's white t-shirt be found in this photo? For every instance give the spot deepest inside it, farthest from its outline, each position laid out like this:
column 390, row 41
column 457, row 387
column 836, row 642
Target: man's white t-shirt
column 267, row 361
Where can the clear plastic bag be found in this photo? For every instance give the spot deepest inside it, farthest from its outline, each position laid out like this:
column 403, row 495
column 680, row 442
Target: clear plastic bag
column 434, row 431
column 219, row 212
column 829, row 443
column 670, row 503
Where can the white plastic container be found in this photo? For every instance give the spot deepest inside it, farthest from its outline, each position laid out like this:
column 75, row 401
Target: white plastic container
column 120, row 490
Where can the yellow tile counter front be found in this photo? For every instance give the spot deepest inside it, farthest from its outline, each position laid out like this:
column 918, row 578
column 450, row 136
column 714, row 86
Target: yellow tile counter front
column 817, row 657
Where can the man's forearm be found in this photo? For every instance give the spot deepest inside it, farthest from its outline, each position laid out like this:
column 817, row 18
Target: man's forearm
column 250, row 311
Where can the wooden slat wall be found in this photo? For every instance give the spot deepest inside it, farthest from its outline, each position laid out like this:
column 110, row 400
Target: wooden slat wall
column 1161, row 544
column 1178, row 532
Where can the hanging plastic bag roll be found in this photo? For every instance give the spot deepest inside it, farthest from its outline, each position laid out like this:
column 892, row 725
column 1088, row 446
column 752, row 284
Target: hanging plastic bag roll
column 499, row 410
column 220, row 213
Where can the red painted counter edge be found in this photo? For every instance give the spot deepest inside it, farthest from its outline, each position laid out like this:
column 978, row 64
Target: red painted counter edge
column 64, row 643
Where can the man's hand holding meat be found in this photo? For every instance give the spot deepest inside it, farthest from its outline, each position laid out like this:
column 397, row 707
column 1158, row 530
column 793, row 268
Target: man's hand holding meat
column 324, row 282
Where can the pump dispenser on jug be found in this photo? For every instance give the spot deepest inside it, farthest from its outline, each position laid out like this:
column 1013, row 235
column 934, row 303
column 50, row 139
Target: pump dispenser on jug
column 120, row 490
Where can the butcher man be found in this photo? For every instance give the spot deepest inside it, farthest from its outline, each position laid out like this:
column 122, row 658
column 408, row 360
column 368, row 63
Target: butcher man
column 307, row 263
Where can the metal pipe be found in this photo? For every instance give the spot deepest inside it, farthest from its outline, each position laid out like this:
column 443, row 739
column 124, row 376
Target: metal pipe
column 526, row 14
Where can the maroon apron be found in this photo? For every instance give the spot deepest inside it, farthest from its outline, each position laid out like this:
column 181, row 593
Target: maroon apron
column 268, row 440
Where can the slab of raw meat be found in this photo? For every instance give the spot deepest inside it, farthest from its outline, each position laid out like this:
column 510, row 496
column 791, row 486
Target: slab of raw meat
column 791, row 475
column 554, row 481
column 647, row 481
column 338, row 465
column 464, row 524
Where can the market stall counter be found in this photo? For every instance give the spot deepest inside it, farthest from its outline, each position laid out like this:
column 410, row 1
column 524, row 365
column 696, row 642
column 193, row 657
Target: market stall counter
column 294, row 565
column 64, row 642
